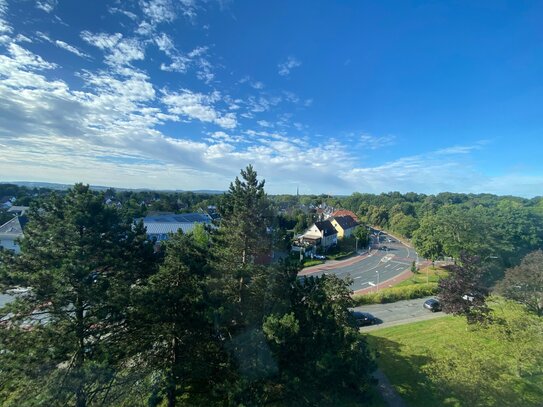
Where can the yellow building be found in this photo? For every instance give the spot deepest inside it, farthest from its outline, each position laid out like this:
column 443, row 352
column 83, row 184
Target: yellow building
column 344, row 225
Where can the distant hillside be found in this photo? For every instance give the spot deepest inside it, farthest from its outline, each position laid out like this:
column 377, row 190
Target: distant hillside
column 64, row 187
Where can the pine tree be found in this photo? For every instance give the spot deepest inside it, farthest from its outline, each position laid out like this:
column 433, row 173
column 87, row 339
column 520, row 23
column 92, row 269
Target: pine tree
column 171, row 329
column 242, row 239
column 80, row 260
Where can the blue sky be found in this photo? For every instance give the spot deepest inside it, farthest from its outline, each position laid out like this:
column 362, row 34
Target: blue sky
column 331, row 97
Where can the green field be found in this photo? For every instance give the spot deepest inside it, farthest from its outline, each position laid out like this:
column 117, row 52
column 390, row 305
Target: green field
column 443, row 362
column 428, row 274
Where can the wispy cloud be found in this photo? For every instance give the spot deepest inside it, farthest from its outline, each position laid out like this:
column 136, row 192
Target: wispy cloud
column 368, row 141
column 194, row 105
column 63, row 45
column 47, row 5
column 119, row 51
column 287, row 66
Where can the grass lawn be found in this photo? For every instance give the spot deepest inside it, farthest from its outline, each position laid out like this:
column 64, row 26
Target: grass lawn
column 443, row 362
column 434, row 275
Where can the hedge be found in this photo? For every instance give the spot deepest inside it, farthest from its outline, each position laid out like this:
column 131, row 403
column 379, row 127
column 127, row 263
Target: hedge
column 396, row 294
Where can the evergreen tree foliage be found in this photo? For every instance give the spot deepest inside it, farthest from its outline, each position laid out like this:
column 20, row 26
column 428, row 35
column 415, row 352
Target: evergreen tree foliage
column 171, row 332
column 59, row 341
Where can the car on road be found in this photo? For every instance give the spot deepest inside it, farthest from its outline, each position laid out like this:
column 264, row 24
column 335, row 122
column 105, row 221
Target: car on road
column 432, row 304
column 383, row 248
column 364, row 318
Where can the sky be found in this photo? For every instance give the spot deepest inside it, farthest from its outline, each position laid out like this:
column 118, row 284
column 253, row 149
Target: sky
column 329, row 97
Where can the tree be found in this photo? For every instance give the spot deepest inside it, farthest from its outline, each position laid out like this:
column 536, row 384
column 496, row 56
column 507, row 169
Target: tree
column 362, row 234
column 240, row 287
column 462, row 292
column 524, row 283
column 171, row 331
column 318, row 348
column 80, row 260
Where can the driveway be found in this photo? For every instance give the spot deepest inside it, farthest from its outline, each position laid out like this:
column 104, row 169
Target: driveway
column 398, row 313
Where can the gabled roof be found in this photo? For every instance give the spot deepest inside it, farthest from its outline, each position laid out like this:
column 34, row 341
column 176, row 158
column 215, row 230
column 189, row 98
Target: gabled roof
column 345, row 212
column 326, row 227
column 14, row 227
column 346, row 222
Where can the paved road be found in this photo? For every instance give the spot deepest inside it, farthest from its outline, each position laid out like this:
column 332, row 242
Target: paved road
column 378, row 266
column 398, row 313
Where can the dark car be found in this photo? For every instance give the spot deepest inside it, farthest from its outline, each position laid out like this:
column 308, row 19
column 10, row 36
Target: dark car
column 364, row 318
column 432, row 304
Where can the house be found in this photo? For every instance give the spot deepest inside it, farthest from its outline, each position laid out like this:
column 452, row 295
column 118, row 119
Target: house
column 321, row 233
column 160, row 226
column 11, row 231
column 344, row 225
column 6, row 202
column 345, row 212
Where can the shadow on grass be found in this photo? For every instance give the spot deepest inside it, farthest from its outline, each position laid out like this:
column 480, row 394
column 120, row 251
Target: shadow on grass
column 404, row 373
column 475, row 382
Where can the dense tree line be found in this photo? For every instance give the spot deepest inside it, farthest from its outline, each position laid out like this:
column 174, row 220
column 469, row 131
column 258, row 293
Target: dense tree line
column 110, row 321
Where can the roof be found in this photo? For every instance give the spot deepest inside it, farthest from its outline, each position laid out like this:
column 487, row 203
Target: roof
column 20, row 209
column 346, row 222
column 157, row 228
column 345, row 212
column 177, row 218
column 171, row 223
column 14, row 227
column 326, row 227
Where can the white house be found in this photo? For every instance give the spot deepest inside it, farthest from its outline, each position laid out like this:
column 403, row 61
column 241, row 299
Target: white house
column 11, row 231
column 321, row 233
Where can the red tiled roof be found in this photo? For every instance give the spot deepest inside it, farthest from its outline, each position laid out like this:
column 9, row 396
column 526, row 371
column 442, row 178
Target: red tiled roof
column 345, row 212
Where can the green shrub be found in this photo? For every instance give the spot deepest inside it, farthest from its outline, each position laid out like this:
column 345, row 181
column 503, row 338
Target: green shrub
column 309, row 262
column 396, row 294
column 339, row 256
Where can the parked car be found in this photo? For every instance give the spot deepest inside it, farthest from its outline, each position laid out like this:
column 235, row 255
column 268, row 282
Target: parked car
column 432, row 304
column 319, row 257
column 364, row 318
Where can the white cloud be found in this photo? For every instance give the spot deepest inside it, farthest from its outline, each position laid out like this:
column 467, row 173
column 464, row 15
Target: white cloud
column 5, row 28
column 370, row 142
column 63, row 45
column 264, row 123
column 47, row 5
column 198, row 106
column 288, row 65
column 159, row 11
column 119, row 51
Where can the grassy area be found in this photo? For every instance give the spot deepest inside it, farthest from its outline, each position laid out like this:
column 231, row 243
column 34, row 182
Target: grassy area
column 396, row 294
column 311, row 262
column 339, row 256
column 444, row 362
column 428, row 274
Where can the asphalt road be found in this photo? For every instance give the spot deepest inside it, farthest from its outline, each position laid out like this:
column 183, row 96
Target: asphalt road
column 398, row 313
column 378, row 267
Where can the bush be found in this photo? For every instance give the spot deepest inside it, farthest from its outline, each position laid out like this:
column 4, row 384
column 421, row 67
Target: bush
column 396, row 294
column 310, row 262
